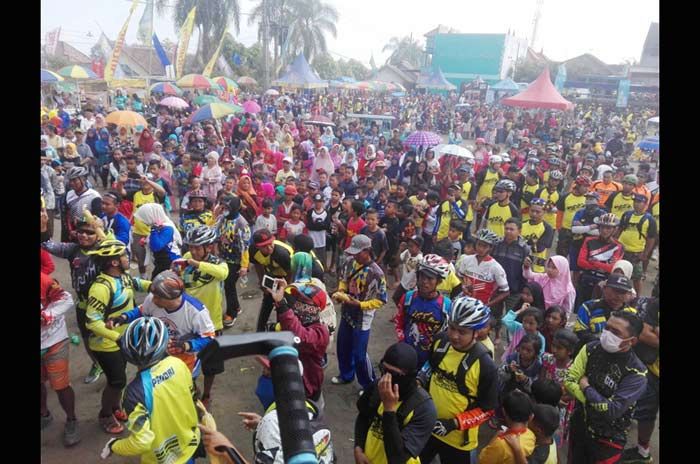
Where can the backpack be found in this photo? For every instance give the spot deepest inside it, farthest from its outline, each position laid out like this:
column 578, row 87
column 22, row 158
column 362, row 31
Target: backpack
column 408, row 299
column 100, row 279
column 440, row 348
column 417, row 398
column 625, row 220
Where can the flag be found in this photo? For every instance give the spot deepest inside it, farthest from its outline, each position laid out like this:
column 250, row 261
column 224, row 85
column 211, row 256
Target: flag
column 52, row 41
column 223, row 65
column 118, row 45
column 160, row 51
column 561, row 77
column 285, row 45
column 185, row 34
column 146, row 24
column 210, row 66
column 623, row 93
column 236, row 59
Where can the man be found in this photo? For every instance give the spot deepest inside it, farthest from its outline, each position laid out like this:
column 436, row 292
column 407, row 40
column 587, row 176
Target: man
column 637, row 234
column 568, row 205
column 597, row 256
column 583, row 225
column 530, row 187
column 550, row 193
column 538, row 234
column 593, row 314
column 461, row 379
column 606, row 378
column 115, row 222
column 271, row 257
column 196, row 214
column 348, row 184
column 619, row 202
column 641, row 187
column 78, row 198
column 362, row 290
column 83, row 148
column 484, row 278
column 510, row 252
column 500, row 208
column 159, row 401
column 402, row 195
column 486, row 180
column 605, row 187
column 396, row 415
column 452, row 208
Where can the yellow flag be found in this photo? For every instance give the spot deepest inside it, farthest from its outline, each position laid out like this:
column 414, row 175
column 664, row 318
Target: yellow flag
column 118, row 45
column 210, row 66
column 185, row 34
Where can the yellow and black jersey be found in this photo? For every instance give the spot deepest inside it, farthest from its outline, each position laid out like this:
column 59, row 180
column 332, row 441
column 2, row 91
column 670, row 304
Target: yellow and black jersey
column 162, row 415
column 636, row 229
column 496, row 216
column 528, row 194
column 552, row 198
column 618, row 203
column 486, row 180
column 569, row 204
column 279, row 263
column 190, row 220
column 539, row 237
column 206, row 283
column 110, row 297
column 467, row 188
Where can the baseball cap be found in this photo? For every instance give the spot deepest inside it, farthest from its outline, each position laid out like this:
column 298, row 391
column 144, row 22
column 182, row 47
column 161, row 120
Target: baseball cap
column 358, row 244
column 639, row 197
column 318, row 197
column 630, row 179
column 592, row 198
column 418, row 240
column 619, row 282
column 290, row 190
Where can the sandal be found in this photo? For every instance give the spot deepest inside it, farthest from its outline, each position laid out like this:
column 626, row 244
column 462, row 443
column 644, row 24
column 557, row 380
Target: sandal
column 110, row 425
column 120, row 415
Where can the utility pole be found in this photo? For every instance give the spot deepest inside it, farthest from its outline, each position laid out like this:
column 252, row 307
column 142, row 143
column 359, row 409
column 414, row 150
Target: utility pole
column 265, row 42
column 536, row 22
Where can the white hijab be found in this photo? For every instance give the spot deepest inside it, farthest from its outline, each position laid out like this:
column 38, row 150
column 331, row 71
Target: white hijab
column 153, row 214
column 323, row 160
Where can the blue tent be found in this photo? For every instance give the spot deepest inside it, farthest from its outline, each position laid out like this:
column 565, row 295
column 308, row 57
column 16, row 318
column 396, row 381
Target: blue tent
column 299, row 75
column 434, row 81
column 506, row 84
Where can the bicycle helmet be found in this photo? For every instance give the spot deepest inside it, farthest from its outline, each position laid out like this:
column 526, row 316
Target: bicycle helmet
column 232, row 203
column 108, row 248
column 495, row 159
column 505, row 184
column 609, row 219
column 167, row 285
column 435, row 265
column 197, row 194
column 554, row 161
column 201, row 235
column 469, row 313
column 556, row 175
column 145, row 341
column 537, row 201
column 533, row 160
column 487, row 236
column 77, row 172
column 506, row 157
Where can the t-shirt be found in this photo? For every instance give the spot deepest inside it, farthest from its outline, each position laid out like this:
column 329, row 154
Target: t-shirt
column 544, row 454
column 408, row 271
column 633, row 238
column 292, row 230
column 498, row 451
column 539, row 237
column 485, row 278
column 379, row 241
column 618, row 203
column 552, row 198
column 282, row 176
column 569, row 204
column 269, row 223
column 447, row 212
column 496, row 216
column 355, row 225
column 206, row 284
column 141, row 199
column 486, row 188
column 605, row 190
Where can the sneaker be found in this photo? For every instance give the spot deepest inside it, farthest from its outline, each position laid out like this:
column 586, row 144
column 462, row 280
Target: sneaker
column 71, row 435
column 632, row 456
column 46, row 420
column 339, row 381
column 94, row 374
column 229, row 321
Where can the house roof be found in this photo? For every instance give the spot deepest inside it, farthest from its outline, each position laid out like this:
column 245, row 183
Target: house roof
column 72, row 54
column 532, row 55
column 406, row 75
column 591, row 63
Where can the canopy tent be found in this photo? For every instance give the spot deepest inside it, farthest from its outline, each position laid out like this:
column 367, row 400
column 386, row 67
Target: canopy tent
column 300, row 76
column 539, row 94
column 506, row 84
column 434, row 81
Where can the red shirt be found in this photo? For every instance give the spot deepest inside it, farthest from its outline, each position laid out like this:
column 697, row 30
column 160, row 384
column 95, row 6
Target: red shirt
column 354, row 227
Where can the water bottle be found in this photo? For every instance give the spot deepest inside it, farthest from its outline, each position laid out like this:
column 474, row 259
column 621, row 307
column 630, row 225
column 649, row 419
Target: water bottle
column 244, row 281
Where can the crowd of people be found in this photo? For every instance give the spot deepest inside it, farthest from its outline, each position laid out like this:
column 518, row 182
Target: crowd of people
column 516, row 272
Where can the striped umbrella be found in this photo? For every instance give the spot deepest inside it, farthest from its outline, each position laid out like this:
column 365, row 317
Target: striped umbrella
column 77, row 72
column 228, row 84
column 50, row 76
column 215, row 111
column 197, row 81
column 251, row 107
column 166, row 88
column 126, row 118
column 423, row 138
column 174, row 102
column 201, row 100
column 247, row 81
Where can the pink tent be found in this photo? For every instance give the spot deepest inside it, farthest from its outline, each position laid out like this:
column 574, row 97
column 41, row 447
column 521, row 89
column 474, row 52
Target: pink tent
column 540, row 94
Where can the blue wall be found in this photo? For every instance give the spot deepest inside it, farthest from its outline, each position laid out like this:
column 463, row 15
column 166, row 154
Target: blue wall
column 462, row 57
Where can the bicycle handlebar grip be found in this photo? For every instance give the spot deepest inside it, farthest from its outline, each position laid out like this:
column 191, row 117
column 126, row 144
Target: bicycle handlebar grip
column 295, row 429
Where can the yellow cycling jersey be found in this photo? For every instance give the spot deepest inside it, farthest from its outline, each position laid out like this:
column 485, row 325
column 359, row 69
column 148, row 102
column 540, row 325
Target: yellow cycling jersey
column 532, row 233
column 446, row 214
column 466, row 191
column 110, row 297
column 162, row 415
column 528, row 194
column 552, row 198
column 486, row 188
column 278, row 262
column 633, row 236
column 141, row 199
column 618, row 203
column 449, row 283
column 497, row 215
column 569, row 206
column 206, row 283
column 374, row 444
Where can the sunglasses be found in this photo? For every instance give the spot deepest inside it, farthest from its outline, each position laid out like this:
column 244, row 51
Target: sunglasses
column 86, row 232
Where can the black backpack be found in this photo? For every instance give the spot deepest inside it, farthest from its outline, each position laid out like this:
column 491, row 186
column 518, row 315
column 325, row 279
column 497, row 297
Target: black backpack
column 440, row 347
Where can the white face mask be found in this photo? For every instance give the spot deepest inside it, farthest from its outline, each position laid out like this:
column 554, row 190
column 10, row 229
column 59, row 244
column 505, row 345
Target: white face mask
column 610, row 342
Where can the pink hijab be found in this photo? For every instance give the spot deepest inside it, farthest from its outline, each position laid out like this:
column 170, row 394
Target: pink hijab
column 559, row 291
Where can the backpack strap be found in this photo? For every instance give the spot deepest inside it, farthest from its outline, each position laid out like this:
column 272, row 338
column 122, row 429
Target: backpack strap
column 418, row 397
column 101, row 280
column 477, row 352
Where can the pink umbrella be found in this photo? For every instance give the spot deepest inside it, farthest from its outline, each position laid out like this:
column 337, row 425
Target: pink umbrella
column 174, row 102
column 251, row 107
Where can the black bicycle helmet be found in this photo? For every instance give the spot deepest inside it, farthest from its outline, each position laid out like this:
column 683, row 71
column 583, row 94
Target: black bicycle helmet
column 145, row 341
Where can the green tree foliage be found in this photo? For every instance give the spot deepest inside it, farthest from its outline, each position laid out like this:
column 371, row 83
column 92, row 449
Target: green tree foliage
column 404, row 49
column 325, row 66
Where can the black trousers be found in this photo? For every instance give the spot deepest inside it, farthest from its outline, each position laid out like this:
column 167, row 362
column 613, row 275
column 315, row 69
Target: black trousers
column 585, row 449
column 448, row 454
column 232, row 303
column 265, row 310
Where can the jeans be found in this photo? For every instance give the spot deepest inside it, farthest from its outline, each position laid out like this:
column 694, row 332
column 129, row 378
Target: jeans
column 232, row 303
column 353, row 358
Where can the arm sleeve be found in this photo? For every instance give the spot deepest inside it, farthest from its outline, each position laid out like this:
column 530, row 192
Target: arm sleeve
column 574, row 374
column 217, row 271
column 159, row 239
column 60, row 249
column 364, row 418
column 98, row 299
column 401, row 445
column 609, row 201
column 509, row 321
column 315, row 334
column 628, row 391
column 560, row 203
column 141, row 438
column 132, row 314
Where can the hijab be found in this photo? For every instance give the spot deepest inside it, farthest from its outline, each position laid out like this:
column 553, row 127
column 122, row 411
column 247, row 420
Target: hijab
column 557, row 290
column 153, row 214
column 90, row 138
column 146, row 141
column 322, row 161
column 336, row 157
column 247, row 195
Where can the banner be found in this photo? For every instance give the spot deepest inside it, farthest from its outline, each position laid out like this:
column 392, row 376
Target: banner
column 185, row 34
column 160, row 51
column 52, row 41
column 623, row 93
column 561, row 78
column 223, row 65
column 118, row 45
column 146, row 24
column 210, row 66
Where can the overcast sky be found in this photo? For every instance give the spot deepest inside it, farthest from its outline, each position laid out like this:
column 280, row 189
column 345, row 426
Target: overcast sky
column 613, row 30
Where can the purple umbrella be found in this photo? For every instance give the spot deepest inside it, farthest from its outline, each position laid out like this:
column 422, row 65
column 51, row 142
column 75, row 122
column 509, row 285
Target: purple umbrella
column 423, row 138
column 251, row 107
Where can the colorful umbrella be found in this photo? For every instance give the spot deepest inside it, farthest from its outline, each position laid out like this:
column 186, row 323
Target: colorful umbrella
column 320, row 120
column 247, row 81
column 126, row 118
column 454, row 150
column 364, row 85
column 215, row 111
column 272, row 92
column 197, row 81
column 174, row 102
column 379, row 86
column 423, row 138
column 50, row 76
column 166, row 88
column 251, row 107
column 77, row 72
column 226, row 83
column 201, row 100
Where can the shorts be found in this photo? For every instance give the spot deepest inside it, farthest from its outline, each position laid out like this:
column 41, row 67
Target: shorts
column 637, row 266
column 54, row 365
column 114, row 366
column 648, row 404
column 213, row 365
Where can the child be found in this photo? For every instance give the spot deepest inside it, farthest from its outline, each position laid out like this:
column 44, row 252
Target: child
column 318, row 221
column 554, row 319
column 334, row 209
column 543, row 423
column 532, row 320
column 522, row 367
column 469, row 246
column 355, row 223
column 410, row 257
column 293, row 226
column 454, row 235
column 380, row 246
column 518, row 410
column 372, row 193
column 390, row 223
column 381, row 203
column 284, row 212
column 483, row 336
column 555, row 281
column 266, row 220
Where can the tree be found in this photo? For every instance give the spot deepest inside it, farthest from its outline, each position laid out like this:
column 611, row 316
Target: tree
column 354, row 69
column 326, row 66
column 310, row 21
column 528, row 70
column 404, row 49
column 278, row 17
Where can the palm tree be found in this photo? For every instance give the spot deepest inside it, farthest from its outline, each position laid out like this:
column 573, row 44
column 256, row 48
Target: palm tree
column 404, row 49
column 310, row 21
column 278, row 14
column 211, row 19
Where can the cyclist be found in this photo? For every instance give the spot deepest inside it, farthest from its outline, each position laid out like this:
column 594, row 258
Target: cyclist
column 550, row 194
column 461, row 379
column 500, row 208
column 530, row 187
column 568, row 205
column 452, row 208
column 583, row 225
column 538, row 234
column 637, row 234
column 78, row 198
column 197, row 213
column 485, row 182
column 484, row 279
column 619, row 202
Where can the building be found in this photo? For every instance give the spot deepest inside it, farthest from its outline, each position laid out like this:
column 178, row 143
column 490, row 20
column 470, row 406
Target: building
column 134, row 61
column 71, row 55
column 403, row 73
column 464, row 57
column 647, row 72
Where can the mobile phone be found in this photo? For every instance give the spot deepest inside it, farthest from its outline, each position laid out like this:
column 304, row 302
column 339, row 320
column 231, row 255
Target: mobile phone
column 269, row 283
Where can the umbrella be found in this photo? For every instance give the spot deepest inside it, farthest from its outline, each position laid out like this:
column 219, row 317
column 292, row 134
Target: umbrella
column 247, row 81
column 50, row 76
column 200, row 100
column 454, row 150
column 320, row 120
column 197, row 81
column 166, row 88
column 77, row 72
column 174, row 102
column 649, row 143
column 423, row 138
column 283, row 98
column 272, row 92
column 215, row 111
column 226, row 83
column 126, row 118
column 251, row 107
column 364, row 85
column 654, row 119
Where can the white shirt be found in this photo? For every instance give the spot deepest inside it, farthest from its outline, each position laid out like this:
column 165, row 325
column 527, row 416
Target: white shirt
column 56, row 331
column 410, row 264
column 266, row 223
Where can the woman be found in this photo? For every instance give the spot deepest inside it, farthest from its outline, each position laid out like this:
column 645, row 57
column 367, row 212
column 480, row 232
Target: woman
column 146, row 142
column 250, row 207
column 260, row 144
column 409, row 167
column 287, row 139
column 322, row 161
column 71, row 154
column 336, row 156
column 350, row 159
column 422, row 175
column 382, row 145
column 327, row 138
column 433, row 163
column 102, row 153
column 124, row 139
column 556, row 282
column 393, row 172
column 164, row 241
column 212, row 176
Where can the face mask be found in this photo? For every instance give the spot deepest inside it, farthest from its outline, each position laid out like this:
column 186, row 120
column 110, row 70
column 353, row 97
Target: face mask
column 610, row 342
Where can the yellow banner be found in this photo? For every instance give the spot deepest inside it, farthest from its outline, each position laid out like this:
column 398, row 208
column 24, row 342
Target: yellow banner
column 210, row 66
column 128, row 83
column 185, row 34
column 118, row 45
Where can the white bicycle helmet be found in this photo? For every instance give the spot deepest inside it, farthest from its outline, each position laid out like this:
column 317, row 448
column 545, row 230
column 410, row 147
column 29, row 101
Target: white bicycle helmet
column 609, row 219
column 201, row 235
column 495, row 159
column 435, row 265
column 469, row 313
column 76, row 172
column 506, row 184
column 556, row 175
column 485, row 235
